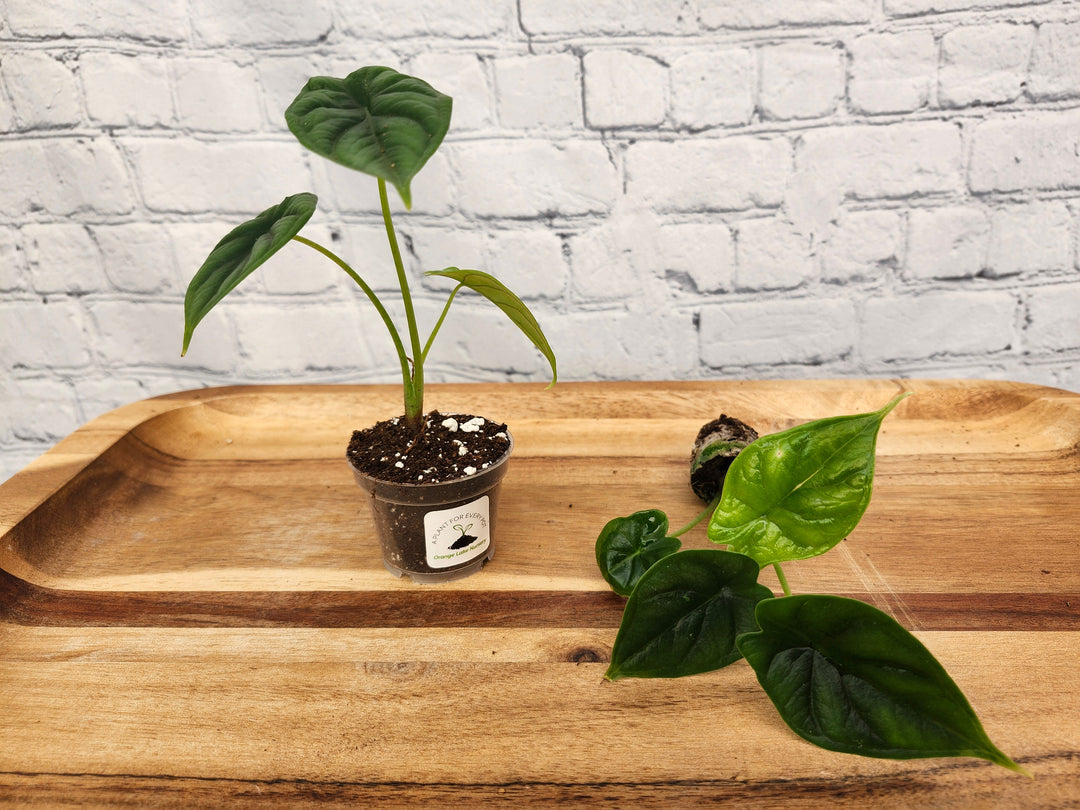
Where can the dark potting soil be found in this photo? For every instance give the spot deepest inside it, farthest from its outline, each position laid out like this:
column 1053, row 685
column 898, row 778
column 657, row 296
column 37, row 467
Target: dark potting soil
column 708, row 479
column 449, row 446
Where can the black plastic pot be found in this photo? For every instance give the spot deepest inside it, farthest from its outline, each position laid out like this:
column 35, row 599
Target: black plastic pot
column 437, row 532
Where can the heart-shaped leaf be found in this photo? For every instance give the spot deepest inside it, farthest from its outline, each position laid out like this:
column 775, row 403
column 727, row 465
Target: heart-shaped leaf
column 629, row 546
column 847, row 677
column 796, row 494
column 685, row 614
column 241, row 251
column 497, row 293
column 375, row 120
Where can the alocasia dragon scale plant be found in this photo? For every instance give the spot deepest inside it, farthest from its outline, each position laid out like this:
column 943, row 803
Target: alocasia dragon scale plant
column 385, row 124
column 842, row 674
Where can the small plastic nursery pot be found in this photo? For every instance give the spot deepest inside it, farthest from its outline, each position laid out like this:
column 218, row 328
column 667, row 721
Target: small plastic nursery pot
column 437, row 532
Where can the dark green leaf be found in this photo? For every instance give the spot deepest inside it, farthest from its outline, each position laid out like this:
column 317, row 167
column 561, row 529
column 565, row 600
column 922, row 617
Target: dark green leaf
column 497, row 293
column 628, row 546
column 375, row 120
column 796, row 494
column 241, row 251
column 847, row 677
column 685, row 614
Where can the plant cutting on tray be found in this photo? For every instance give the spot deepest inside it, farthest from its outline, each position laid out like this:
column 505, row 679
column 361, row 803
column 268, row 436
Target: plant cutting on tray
column 433, row 478
column 841, row 673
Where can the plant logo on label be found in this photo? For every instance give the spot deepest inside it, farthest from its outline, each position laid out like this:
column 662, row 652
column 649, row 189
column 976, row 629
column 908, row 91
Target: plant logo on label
column 458, row 535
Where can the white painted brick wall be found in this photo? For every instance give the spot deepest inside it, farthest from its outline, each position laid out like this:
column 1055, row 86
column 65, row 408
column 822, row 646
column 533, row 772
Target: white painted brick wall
column 679, row 188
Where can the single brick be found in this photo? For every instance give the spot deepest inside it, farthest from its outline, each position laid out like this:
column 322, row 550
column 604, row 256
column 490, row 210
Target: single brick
column 63, row 177
column 462, row 77
column 138, row 333
column 163, row 20
column 604, row 17
column 772, row 255
column 434, row 248
column 703, row 253
column 1030, row 238
column 984, row 64
column 477, row 334
column 601, row 262
column 772, row 13
column 538, row 91
column 910, row 327
column 217, row 95
column 1037, row 150
column 713, row 88
column 709, row 174
column 63, row 259
column 42, row 335
column 529, row 262
column 299, row 270
column 873, row 162
column 640, row 341
column 803, row 331
column 801, row 80
column 43, row 90
column 380, row 20
column 950, row 242
column 623, row 89
column 860, row 245
column 231, row 23
column 302, row 338
column 124, row 90
column 1052, row 321
column 138, row 257
column 195, row 176
column 527, row 178
column 892, row 72
column 1053, row 65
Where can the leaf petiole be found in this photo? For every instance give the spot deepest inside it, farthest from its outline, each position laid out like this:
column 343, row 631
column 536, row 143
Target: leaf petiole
column 783, row 580
column 438, row 324
column 414, row 387
column 708, row 510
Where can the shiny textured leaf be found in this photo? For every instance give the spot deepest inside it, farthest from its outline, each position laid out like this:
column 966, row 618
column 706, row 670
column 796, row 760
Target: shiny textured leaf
column 628, row 546
column 513, row 307
column 241, row 251
column 796, row 494
column 847, row 677
column 685, row 614
column 375, row 120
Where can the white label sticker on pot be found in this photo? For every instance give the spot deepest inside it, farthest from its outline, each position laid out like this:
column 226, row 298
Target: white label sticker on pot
column 457, row 535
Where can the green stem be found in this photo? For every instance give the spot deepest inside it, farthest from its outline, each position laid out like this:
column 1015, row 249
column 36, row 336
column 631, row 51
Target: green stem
column 394, row 334
column 783, row 580
column 438, row 323
column 414, row 390
column 701, row 516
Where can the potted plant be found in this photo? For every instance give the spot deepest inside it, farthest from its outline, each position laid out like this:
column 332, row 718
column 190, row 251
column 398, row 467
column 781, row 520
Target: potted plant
column 432, row 478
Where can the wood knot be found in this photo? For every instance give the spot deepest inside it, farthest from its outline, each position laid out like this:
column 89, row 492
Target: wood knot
column 586, row 655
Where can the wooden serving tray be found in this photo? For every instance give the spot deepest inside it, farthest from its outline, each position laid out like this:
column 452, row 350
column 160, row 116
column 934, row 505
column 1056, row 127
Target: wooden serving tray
column 193, row 607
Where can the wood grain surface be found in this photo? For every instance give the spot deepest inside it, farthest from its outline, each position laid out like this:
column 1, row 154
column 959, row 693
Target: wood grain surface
column 193, row 609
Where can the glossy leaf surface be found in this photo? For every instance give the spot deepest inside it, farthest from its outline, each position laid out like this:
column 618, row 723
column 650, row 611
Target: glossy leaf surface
column 513, row 307
column 375, row 120
column 685, row 614
column 240, row 252
column 796, row 494
column 628, row 546
column 847, row 677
